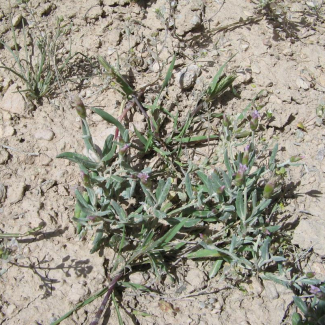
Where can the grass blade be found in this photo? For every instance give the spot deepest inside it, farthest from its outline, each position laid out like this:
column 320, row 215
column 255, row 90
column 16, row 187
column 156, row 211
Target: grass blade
column 80, row 305
column 120, row 321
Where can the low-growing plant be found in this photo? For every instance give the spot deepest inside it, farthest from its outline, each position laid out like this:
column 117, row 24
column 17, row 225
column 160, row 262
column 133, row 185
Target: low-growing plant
column 151, row 216
column 309, row 298
column 39, row 67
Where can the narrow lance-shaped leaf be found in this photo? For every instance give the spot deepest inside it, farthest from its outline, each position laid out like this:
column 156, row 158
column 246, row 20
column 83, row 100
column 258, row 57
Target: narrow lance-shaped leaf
column 166, row 80
column 188, row 186
column 215, row 269
column 79, row 159
column 207, row 182
column 300, row 304
column 272, row 158
column 164, row 192
column 203, row 253
column 119, row 211
column 109, row 118
column 227, row 163
column 215, row 80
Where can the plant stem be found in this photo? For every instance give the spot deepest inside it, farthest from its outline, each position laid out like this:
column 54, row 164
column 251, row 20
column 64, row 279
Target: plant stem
column 106, row 298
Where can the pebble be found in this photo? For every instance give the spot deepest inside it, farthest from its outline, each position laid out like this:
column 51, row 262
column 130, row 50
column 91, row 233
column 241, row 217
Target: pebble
column 16, row 20
column 7, row 131
column 187, row 77
column 13, row 102
column 45, row 134
column 44, row 160
column 255, row 68
column 212, row 300
column 137, row 278
column 202, row 304
column 16, row 192
column 287, row 52
column 4, row 156
column 302, row 83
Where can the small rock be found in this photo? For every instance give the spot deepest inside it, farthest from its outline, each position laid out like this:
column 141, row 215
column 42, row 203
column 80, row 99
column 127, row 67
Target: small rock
column 95, row 12
column 187, row 76
column 7, row 131
column 202, row 304
column 46, row 9
column 244, row 76
column 4, row 156
column 17, row 20
column 137, row 278
column 13, row 102
column 10, row 310
column 187, row 20
column 212, row 300
column 45, row 134
column 287, row 52
column 44, row 160
column 6, row 116
column 16, row 192
column 245, row 47
column 46, row 185
column 155, row 67
column 302, row 83
column 197, row 279
column 3, row 193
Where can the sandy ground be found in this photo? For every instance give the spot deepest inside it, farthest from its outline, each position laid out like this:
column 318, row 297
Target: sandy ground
column 53, row 271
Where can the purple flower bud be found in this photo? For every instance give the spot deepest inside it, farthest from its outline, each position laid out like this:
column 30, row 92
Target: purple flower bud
column 254, row 120
column 294, row 159
column 143, row 177
column 315, row 290
column 310, row 275
column 125, row 148
column 240, row 175
column 80, row 107
column 245, row 158
column 91, row 218
column 85, row 178
column 255, row 114
column 221, row 189
column 226, row 121
column 268, row 189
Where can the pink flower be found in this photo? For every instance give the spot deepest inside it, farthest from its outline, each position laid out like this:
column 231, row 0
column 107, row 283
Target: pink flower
column 143, row 177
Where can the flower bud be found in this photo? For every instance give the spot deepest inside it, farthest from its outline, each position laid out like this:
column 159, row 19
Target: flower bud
column 226, row 121
column 124, row 149
column 268, row 189
column 143, row 177
column 221, row 189
column 80, row 107
column 240, row 175
column 246, row 156
column 85, row 179
column 254, row 120
column 294, row 159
